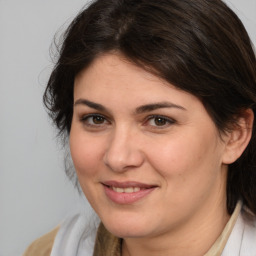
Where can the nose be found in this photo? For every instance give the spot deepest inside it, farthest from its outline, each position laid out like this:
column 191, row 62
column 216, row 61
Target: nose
column 123, row 151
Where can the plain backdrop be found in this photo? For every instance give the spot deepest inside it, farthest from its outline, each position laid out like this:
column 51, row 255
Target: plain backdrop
column 35, row 194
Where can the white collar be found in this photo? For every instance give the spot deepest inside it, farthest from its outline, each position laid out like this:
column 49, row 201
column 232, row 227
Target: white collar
column 77, row 234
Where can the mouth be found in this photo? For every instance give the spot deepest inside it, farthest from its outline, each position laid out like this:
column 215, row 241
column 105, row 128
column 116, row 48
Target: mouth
column 126, row 192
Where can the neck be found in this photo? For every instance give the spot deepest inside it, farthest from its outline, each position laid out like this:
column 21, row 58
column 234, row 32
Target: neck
column 194, row 238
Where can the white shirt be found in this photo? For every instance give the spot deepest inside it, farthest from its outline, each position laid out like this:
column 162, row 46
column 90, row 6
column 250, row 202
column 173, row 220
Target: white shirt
column 76, row 236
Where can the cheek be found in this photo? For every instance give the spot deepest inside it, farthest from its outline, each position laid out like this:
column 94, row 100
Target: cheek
column 186, row 157
column 190, row 170
column 86, row 153
column 172, row 157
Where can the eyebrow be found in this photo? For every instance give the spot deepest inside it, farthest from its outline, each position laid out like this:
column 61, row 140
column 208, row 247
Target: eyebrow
column 154, row 106
column 90, row 104
column 139, row 110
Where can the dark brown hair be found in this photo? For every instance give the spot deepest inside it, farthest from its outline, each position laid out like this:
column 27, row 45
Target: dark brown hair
column 200, row 46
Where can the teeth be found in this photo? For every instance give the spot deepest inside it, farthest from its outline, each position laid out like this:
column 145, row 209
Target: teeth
column 120, row 190
column 136, row 189
column 126, row 190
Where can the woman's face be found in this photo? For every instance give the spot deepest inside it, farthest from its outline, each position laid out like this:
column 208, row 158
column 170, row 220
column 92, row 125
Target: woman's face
column 148, row 156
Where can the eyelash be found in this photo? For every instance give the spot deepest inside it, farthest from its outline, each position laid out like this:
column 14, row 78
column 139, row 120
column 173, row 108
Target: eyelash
column 167, row 121
column 85, row 120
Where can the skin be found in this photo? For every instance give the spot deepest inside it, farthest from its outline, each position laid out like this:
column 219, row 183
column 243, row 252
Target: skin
column 181, row 153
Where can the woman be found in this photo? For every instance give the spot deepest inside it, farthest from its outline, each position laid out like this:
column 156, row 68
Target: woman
column 157, row 99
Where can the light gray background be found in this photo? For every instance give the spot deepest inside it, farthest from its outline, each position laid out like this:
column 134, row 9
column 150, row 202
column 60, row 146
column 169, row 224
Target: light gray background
column 35, row 195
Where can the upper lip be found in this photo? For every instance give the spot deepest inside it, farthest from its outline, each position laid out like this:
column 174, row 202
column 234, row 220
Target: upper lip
column 127, row 184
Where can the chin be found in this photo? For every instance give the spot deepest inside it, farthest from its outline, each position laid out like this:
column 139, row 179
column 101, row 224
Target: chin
column 127, row 227
column 127, row 232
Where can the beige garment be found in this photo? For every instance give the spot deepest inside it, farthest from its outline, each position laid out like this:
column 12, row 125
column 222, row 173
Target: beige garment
column 107, row 244
column 43, row 245
column 221, row 241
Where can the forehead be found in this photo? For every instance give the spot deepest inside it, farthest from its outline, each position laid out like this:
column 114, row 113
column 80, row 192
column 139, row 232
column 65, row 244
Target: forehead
column 112, row 79
column 113, row 66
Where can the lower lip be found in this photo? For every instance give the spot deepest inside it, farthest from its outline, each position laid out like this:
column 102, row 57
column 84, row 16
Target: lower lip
column 126, row 198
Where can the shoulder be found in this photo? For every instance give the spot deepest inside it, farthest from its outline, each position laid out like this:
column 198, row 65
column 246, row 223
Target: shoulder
column 248, row 241
column 43, row 245
column 242, row 240
column 75, row 236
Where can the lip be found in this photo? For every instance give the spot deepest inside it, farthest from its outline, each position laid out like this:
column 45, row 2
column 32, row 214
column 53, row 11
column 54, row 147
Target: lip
column 127, row 198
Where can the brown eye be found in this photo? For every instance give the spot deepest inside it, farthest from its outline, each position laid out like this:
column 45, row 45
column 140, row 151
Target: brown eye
column 98, row 119
column 94, row 120
column 159, row 121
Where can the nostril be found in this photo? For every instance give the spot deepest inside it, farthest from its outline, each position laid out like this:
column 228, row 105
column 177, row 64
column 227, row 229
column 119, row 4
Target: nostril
column 124, row 159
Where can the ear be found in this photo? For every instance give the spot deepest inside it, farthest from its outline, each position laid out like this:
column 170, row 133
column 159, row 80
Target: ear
column 238, row 139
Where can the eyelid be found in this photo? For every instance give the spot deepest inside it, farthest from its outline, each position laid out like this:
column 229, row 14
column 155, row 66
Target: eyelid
column 169, row 120
column 86, row 116
column 84, row 119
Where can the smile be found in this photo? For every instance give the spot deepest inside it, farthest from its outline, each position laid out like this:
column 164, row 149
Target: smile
column 127, row 192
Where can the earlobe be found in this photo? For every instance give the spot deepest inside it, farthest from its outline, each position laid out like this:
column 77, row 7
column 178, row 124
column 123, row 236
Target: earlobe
column 239, row 137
